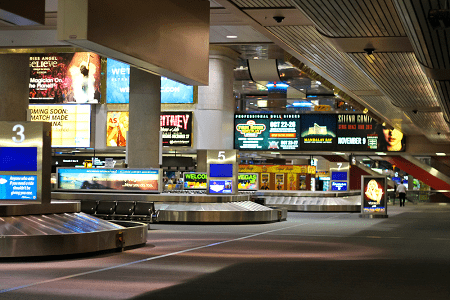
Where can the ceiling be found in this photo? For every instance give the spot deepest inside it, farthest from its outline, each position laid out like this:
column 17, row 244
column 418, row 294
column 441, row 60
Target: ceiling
column 405, row 81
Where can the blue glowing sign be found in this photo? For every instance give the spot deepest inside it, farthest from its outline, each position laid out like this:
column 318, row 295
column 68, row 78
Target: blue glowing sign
column 18, row 187
column 338, row 186
column 220, row 186
column 221, row 170
column 117, row 82
column 175, row 92
column 339, row 176
column 18, row 159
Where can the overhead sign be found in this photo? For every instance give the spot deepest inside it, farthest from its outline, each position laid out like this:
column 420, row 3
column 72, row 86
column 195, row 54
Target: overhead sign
column 359, row 132
column 318, row 132
column 135, row 180
column 118, row 86
column 71, row 124
column 176, row 128
column 117, row 81
column 65, row 78
column 266, row 131
column 373, row 196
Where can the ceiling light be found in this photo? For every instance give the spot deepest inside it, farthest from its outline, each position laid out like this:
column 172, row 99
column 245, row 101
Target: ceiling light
column 440, row 154
column 339, row 153
column 365, row 110
column 380, row 153
column 231, row 36
column 384, row 124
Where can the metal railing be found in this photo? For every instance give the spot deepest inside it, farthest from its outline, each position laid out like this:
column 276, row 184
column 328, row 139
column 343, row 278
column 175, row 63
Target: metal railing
column 417, row 196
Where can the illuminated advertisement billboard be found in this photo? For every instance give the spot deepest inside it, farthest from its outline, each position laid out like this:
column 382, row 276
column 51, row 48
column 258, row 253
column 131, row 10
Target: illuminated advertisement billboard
column 339, row 185
column 65, row 78
column 195, row 181
column 116, row 128
column 117, row 82
column 359, row 132
column 110, row 180
column 373, row 193
column 71, row 124
column 220, row 186
column 318, row 132
column 248, row 181
column 176, row 128
column 118, row 86
column 18, row 187
column 266, row 131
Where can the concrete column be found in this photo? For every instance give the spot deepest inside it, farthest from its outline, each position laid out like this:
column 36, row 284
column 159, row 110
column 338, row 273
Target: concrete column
column 145, row 109
column 14, row 81
column 214, row 115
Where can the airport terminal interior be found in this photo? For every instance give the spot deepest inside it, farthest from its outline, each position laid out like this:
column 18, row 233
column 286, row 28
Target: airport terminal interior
column 246, row 149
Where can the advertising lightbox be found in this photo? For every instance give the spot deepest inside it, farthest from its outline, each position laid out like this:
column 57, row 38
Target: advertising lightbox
column 359, row 132
column 18, row 187
column 195, row 181
column 338, row 185
column 65, row 78
column 118, row 86
column 110, row 180
column 176, row 128
column 117, row 125
column 117, row 81
column 266, row 131
column 318, row 132
column 373, row 194
column 71, row 124
column 248, row 181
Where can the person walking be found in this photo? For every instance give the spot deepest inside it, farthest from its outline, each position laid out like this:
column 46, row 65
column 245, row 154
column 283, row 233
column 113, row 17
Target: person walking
column 401, row 190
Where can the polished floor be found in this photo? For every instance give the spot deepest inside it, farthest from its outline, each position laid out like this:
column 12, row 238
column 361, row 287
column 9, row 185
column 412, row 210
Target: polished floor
column 310, row 256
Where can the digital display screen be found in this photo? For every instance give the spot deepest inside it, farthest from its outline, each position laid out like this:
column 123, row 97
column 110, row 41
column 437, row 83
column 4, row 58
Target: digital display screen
column 221, row 170
column 338, row 186
column 359, row 132
column 117, row 125
column 267, row 131
column 65, row 78
column 220, row 186
column 118, row 86
column 247, row 181
column 71, row 124
column 195, row 181
column 339, row 176
column 117, row 82
column 175, row 92
column 18, row 159
column 18, row 187
column 374, row 198
column 108, row 179
column 176, row 128
column 318, row 132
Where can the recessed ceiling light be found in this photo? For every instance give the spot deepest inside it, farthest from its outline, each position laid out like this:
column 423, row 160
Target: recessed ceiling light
column 380, row 153
column 440, row 154
column 231, row 36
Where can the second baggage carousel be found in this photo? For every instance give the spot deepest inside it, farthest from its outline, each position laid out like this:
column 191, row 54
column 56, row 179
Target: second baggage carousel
column 192, row 208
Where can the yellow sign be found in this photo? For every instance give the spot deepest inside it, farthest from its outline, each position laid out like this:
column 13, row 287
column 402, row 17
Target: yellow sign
column 71, row 124
column 117, row 127
column 322, row 108
column 303, row 169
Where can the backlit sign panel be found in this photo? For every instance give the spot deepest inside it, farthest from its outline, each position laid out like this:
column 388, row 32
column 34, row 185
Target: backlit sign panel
column 266, row 131
column 373, row 193
column 338, row 185
column 195, row 181
column 65, row 78
column 18, row 159
column 71, row 124
column 248, row 181
column 135, row 180
column 116, row 128
column 220, row 186
column 18, row 187
column 118, row 86
column 176, row 128
column 318, row 132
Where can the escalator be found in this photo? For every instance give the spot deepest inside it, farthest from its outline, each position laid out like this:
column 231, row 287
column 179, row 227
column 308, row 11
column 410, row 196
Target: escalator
column 425, row 173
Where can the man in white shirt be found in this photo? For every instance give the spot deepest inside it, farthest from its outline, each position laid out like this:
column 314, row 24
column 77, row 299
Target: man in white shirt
column 401, row 190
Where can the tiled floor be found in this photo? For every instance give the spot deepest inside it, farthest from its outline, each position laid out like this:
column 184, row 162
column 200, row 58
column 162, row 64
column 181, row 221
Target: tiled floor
column 310, row 256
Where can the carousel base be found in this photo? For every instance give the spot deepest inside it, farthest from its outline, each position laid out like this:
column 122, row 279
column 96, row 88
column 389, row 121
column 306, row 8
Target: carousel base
column 66, row 234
